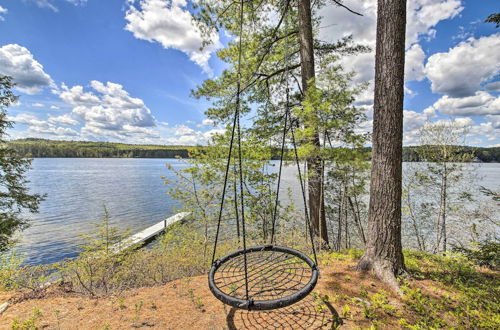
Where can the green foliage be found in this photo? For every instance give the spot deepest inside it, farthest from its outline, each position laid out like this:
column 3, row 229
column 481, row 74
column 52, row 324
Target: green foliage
column 198, row 188
column 40, row 148
column 473, row 300
column 494, row 18
column 100, row 271
column 97, row 269
column 10, row 267
column 30, row 323
column 31, row 280
column 15, row 198
column 485, row 253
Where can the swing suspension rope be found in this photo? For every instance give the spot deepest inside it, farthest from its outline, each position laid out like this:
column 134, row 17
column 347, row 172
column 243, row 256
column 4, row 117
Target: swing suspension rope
column 267, row 276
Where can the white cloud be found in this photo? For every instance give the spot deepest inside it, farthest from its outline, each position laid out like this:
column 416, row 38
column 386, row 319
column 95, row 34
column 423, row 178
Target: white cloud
column 414, row 63
column 460, row 71
column 490, row 130
column 206, row 122
column 37, row 105
column 191, row 137
column 26, row 119
column 108, row 112
column 43, row 128
column 481, row 103
column 3, row 11
column 169, row 23
column 430, row 111
column 54, row 107
column 413, row 120
column 494, row 120
column 58, row 132
column 18, row 62
column 493, row 86
column 65, row 119
column 181, row 130
column 76, row 96
column 424, row 15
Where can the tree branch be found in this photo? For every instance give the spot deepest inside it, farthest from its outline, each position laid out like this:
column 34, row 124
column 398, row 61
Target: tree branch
column 349, row 9
column 269, row 76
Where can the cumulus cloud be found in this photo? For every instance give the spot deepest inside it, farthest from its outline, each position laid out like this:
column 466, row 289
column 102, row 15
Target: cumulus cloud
column 169, row 23
column 183, row 130
column 65, row 119
column 481, row 103
column 184, row 135
column 37, row 105
column 76, row 96
column 424, row 15
column 460, row 71
column 413, row 120
column 43, row 128
column 207, row 122
column 414, row 63
column 18, row 62
column 107, row 112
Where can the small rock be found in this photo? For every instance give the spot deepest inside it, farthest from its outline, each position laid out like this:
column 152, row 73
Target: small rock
column 3, row 307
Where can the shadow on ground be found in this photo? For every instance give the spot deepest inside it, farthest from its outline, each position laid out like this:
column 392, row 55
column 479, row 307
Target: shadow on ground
column 306, row 314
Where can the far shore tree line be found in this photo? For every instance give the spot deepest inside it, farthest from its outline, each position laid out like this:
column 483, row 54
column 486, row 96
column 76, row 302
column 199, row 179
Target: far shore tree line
column 45, row 148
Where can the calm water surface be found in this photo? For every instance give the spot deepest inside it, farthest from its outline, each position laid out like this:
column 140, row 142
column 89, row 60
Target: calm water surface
column 132, row 190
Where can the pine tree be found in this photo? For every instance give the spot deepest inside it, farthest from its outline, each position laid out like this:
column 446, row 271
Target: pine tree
column 14, row 193
column 384, row 254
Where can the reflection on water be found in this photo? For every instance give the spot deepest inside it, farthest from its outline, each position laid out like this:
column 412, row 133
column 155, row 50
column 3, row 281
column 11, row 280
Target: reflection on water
column 78, row 189
column 132, row 190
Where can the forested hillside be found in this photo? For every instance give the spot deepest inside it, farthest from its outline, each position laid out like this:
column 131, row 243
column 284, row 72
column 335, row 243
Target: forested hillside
column 42, row 148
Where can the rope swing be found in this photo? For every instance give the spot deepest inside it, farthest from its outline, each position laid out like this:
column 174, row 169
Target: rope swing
column 269, row 276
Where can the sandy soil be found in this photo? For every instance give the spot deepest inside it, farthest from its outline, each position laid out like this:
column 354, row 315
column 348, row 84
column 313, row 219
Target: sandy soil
column 188, row 304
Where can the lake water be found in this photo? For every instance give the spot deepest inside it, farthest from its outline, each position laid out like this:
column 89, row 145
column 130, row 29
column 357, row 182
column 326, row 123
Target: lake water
column 132, row 190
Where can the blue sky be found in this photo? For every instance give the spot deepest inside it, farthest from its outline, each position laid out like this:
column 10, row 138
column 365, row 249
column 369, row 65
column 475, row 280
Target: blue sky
column 122, row 70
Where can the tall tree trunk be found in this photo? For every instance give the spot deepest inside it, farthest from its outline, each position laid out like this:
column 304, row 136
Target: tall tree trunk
column 383, row 253
column 442, row 211
column 314, row 168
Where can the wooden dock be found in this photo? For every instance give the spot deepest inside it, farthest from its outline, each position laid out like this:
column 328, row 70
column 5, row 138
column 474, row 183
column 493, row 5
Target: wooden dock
column 149, row 233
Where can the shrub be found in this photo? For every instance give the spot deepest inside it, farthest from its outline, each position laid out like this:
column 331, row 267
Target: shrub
column 485, row 254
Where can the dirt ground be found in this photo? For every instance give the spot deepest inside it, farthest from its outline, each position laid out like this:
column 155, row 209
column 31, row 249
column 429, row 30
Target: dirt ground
column 189, row 304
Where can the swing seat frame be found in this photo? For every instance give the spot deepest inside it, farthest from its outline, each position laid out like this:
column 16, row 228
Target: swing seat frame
column 253, row 302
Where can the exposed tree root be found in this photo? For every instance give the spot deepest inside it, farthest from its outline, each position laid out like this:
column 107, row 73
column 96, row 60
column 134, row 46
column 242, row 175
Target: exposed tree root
column 384, row 270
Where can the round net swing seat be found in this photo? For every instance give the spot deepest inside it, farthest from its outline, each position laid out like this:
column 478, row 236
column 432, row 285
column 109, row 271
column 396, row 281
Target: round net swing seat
column 276, row 277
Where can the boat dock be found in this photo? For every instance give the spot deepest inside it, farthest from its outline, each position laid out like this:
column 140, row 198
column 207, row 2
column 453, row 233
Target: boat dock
column 149, row 233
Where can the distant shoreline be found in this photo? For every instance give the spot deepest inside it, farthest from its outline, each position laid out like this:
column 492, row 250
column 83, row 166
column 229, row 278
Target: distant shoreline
column 44, row 148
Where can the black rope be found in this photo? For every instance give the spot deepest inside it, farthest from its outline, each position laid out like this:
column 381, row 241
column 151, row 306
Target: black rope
column 308, row 220
column 236, row 207
column 275, row 213
column 225, row 184
column 287, row 109
column 238, row 104
column 236, row 121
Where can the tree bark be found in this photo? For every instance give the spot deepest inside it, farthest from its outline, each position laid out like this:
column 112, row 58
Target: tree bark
column 314, row 166
column 383, row 253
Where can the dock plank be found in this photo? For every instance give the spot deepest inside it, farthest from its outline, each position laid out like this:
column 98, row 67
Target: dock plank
column 149, row 233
